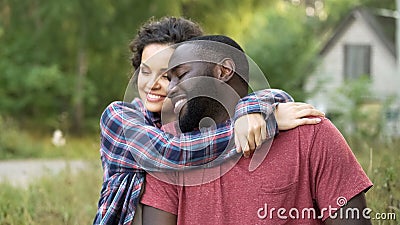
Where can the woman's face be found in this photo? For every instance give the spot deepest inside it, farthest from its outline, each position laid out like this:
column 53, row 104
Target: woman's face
column 152, row 79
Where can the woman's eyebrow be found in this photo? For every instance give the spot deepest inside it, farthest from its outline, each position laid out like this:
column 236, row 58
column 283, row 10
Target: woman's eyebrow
column 144, row 65
column 163, row 70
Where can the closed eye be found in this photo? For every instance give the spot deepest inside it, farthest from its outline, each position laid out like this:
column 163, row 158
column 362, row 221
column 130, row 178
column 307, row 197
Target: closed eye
column 180, row 76
column 181, row 71
column 144, row 69
column 178, row 72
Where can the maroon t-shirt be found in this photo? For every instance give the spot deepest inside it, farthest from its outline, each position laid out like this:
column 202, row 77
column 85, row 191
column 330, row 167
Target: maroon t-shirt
column 309, row 172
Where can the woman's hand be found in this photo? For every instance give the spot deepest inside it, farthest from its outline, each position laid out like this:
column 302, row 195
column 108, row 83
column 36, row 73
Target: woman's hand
column 293, row 114
column 250, row 132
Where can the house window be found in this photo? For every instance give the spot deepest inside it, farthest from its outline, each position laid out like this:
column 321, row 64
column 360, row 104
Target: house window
column 357, row 61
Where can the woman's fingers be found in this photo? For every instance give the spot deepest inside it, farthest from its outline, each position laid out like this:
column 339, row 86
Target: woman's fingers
column 309, row 112
column 244, row 145
column 258, row 139
column 304, row 106
column 250, row 132
column 237, row 143
column 264, row 132
column 308, row 121
column 292, row 114
column 251, row 144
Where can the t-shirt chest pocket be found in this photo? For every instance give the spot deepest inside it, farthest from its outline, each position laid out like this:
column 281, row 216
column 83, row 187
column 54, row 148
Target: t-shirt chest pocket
column 279, row 175
column 280, row 170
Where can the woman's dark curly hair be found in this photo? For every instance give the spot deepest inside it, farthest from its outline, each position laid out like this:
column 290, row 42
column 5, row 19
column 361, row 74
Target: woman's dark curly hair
column 167, row 30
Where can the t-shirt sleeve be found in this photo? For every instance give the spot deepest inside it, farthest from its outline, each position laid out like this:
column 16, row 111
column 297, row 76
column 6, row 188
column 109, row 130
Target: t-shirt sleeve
column 337, row 175
column 160, row 195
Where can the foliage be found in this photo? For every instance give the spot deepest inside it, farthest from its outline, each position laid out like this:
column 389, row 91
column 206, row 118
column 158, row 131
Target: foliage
column 58, row 58
column 14, row 142
column 282, row 42
column 61, row 63
column 360, row 115
column 232, row 21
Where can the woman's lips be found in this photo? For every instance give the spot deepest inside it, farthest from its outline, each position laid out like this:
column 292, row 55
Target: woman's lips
column 154, row 97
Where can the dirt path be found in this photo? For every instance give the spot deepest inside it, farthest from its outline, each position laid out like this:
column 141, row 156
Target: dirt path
column 21, row 172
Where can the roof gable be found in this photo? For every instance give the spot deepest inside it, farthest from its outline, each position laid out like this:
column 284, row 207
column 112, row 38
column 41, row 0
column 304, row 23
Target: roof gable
column 383, row 26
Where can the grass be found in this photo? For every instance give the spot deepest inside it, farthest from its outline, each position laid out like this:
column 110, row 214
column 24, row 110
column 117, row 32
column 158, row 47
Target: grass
column 381, row 163
column 21, row 145
column 66, row 198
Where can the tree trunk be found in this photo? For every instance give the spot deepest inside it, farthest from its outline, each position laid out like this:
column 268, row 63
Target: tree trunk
column 79, row 104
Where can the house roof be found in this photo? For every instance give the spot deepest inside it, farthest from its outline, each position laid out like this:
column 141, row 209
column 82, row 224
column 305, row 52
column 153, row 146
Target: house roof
column 383, row 25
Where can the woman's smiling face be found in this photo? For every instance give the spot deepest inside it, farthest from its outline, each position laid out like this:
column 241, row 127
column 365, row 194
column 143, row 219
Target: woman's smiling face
column 152, row 79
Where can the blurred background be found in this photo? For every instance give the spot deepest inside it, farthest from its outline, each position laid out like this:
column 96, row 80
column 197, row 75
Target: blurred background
column 62, row 63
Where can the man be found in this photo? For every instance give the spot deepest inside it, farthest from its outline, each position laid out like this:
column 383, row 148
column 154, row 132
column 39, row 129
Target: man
column 308, row 176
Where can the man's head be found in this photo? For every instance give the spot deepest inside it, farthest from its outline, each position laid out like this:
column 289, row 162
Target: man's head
column 167, row 30
column 208, row 75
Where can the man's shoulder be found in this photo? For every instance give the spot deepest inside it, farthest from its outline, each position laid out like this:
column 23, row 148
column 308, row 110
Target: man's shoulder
column 324, row 126
column 322, row 130
column 306, row 137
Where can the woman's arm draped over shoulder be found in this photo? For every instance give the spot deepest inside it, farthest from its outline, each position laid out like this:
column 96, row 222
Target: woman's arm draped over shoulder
column 126, row 125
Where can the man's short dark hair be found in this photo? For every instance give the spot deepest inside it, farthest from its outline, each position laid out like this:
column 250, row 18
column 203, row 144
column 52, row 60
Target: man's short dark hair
column 219, row 38
column 167, row 30
column 228, row 49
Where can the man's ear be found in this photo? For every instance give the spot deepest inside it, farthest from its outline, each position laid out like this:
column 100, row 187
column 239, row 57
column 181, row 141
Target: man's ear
column 226, row 69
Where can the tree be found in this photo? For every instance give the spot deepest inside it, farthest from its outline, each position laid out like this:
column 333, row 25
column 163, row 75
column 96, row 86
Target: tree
column 282, row 42
column 67, row 58
column 70, row 59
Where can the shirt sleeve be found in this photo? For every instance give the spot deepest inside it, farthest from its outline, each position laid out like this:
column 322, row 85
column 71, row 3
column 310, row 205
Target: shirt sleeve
column 124, row 124
column 265, row 102
column 128, row 125
column 336, row 174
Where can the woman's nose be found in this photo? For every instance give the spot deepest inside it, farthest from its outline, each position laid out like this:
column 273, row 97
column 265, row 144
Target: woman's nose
column 154, row 83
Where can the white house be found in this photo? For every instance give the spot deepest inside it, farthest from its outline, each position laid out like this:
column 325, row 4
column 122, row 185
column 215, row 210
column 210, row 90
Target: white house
column 363, row 44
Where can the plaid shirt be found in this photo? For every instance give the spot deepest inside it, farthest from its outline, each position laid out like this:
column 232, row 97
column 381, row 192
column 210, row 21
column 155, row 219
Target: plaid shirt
column 131, row 141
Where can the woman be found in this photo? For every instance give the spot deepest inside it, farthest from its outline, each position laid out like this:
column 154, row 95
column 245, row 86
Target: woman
column 124, row 125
